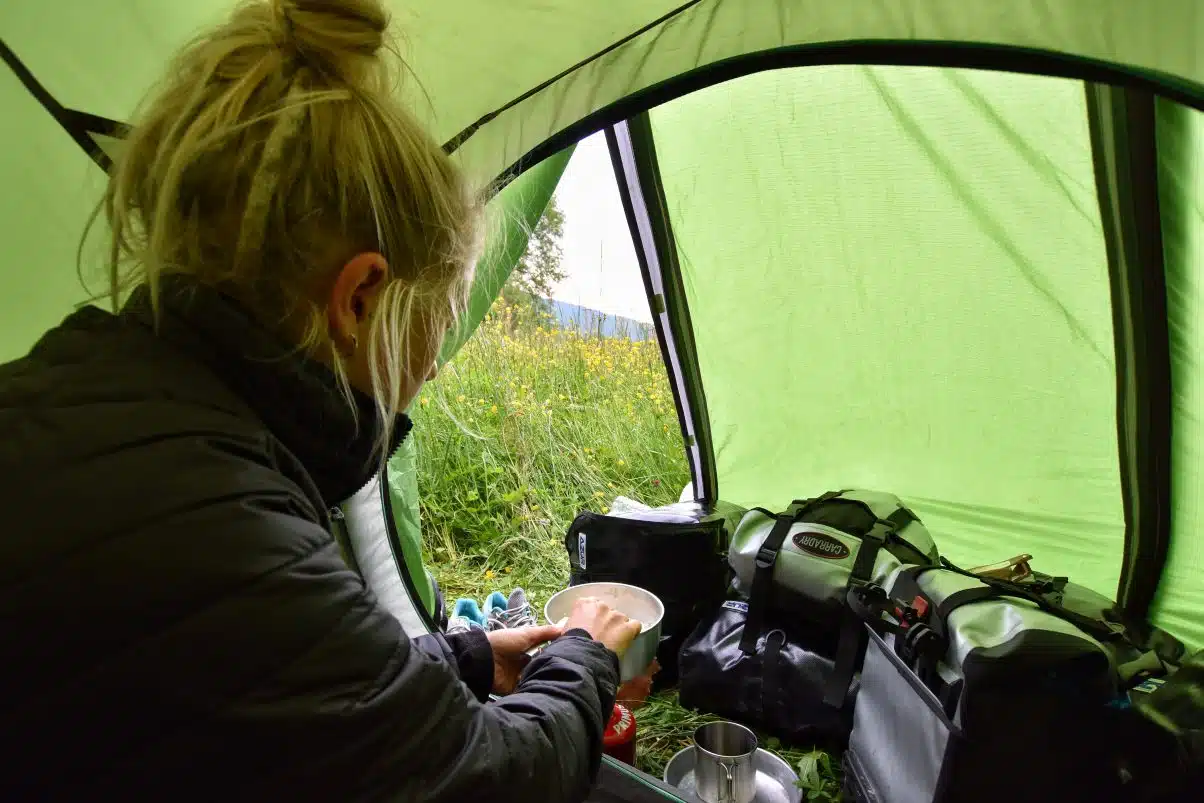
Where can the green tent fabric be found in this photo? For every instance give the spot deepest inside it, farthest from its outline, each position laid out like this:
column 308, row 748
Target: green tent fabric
column 50, row 186
column 945, row 259
column 513, row 214
column 1180, row 605
column 943, row 268
column 565, row 59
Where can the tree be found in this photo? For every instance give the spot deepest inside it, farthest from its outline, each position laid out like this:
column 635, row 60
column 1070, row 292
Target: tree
column 539, row 271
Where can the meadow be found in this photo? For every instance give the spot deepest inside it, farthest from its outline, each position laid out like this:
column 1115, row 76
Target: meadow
column 526, row 427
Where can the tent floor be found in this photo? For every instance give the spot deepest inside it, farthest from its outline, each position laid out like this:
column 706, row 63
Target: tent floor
column 618, row 782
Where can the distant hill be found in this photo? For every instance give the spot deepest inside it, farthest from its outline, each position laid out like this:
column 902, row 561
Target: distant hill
column 586, row 320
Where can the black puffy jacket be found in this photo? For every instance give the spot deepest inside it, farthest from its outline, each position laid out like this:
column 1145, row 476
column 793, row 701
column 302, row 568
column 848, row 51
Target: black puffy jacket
column 176, row 618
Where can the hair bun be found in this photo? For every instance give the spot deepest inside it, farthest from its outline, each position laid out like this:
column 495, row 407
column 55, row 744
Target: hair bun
column 334, row 36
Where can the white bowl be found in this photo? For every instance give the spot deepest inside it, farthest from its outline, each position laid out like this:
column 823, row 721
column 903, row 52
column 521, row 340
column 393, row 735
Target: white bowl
column 633, row 602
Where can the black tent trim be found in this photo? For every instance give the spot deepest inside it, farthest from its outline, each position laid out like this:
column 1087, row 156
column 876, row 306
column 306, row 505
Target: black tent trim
column 633, row 155
column 621, row 783
column 459, row 139
column 95, row 124
column 879, row 53
column 78, row 125
column 1122, row 128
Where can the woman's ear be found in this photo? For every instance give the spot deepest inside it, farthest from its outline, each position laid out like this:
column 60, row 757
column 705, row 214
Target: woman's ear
column 353, row 298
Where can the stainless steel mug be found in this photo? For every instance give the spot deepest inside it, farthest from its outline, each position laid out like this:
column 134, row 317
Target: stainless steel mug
column 723, row 763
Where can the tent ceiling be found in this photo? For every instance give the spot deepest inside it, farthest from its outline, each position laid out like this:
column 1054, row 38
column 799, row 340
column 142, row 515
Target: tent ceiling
column 475, row 57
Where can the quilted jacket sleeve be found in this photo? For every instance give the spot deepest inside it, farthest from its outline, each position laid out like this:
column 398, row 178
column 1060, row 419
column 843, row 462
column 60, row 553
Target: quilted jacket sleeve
column 391, row 719
column 280, row 670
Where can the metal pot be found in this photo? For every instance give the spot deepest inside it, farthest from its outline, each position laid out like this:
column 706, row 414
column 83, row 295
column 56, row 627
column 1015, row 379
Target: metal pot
column 636, row 603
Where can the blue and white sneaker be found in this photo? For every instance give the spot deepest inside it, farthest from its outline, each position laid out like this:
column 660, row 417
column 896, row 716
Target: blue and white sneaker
column 494, row 602
column 505, row 613
column 466, row 615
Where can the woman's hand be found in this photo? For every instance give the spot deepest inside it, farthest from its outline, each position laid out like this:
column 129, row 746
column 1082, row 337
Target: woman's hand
column 604, row 623
column 510, row 652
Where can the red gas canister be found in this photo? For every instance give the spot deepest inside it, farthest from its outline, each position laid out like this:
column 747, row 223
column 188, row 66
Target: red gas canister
column 618, row 740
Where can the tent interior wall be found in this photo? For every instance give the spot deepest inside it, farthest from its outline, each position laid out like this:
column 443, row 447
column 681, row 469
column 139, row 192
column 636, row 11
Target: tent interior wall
column 949, row 222
column 874, row 262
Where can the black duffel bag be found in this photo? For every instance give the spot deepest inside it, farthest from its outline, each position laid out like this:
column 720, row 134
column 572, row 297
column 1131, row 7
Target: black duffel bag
column 682, row 563
column 779, row 688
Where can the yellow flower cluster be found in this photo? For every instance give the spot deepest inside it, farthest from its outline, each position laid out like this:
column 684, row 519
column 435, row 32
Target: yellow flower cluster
column 530, row 424
column 539, row 370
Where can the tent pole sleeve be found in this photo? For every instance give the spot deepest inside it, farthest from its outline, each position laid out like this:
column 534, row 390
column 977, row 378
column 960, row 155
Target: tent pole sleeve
column 1122, row 131
column 633, row 155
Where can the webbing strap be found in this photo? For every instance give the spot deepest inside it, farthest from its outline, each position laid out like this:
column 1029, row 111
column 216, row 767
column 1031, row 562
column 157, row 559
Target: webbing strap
column 852, row 633
column 940, row 621
column 898, row 521
column 767, row 557
column 771, row 670
column 762, row 581
column 1093, row 627
column 901, row 518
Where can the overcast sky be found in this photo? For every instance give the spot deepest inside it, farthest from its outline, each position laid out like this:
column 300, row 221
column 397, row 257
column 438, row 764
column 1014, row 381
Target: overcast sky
column 599, row 257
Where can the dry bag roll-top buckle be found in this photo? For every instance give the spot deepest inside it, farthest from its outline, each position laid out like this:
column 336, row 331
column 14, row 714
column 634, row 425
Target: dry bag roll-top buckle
column 868, row 601
column 919, row 645
column 915, row 641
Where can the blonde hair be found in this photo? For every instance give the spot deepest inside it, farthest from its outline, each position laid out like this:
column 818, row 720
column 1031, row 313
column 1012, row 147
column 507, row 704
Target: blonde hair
column 272, row 153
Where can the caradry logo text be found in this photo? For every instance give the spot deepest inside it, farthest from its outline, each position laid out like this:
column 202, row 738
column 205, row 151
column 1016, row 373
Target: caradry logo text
column 821, row 546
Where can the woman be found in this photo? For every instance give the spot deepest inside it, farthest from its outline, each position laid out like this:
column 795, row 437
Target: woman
column 178, row 622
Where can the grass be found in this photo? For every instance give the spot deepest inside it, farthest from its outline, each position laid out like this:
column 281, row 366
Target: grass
column 665, row 728
column 528, row 426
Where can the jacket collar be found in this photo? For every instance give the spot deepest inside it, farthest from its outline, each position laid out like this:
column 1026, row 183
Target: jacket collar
column 296, row 397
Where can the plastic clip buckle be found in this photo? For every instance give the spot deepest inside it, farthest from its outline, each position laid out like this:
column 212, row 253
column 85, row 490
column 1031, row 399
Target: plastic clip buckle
column 766, row 557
